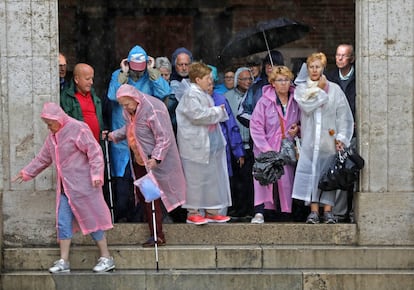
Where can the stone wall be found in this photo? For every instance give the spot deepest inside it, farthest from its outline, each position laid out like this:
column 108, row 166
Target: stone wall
column 385, row 62
column 28, row 78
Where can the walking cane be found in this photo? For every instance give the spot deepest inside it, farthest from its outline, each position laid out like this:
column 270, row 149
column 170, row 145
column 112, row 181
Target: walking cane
column 108, row 170
column 154, row 225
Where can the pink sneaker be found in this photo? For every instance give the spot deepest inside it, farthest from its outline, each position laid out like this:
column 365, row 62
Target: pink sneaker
column 217, row 218
column 196, row 220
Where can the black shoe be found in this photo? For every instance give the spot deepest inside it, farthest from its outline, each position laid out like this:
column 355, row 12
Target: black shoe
column 151, row 242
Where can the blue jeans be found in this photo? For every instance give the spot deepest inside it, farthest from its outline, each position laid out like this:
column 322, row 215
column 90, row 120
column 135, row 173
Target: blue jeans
column 65, row 220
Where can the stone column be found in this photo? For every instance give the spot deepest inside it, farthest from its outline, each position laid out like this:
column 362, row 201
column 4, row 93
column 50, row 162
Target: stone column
column 385, row 88
column 28, row 78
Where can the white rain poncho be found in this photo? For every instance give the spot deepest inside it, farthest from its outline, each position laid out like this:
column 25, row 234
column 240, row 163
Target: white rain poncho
column 326, row 116
column 203, row 150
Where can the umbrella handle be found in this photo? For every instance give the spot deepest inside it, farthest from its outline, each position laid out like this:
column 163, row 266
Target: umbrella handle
column 268, row 49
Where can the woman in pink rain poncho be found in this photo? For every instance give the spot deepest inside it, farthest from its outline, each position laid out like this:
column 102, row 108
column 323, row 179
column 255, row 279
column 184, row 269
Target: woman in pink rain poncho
column 151, row 140
column 276, row 109
column 80, row 203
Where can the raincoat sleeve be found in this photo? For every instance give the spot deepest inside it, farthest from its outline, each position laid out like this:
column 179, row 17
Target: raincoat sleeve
column 308, row 106
column 233, row 131
column 114, row 85
column 245, row 109
column 42, row 160
column 344, row 120
column 163, row 137
column 230, row 128
column 119, row 134
column 161, row 88
column 257, row 128
column 200, row 114
column 87, row 143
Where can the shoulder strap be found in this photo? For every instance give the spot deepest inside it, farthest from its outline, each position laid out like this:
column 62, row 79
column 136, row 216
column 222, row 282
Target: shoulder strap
column 282, row 126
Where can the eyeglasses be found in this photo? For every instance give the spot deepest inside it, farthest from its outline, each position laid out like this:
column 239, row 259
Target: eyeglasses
column 182, row 64
column 282, row 81
column 228, row 77
column 245, row 79
column 343, row 55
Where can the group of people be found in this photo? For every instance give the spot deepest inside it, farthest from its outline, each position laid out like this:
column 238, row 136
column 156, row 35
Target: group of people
column 198, row 138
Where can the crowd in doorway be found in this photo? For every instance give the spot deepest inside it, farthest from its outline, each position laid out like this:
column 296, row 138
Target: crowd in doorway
column 198, row 131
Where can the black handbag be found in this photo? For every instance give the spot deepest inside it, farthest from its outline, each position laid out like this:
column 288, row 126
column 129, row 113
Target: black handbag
column 288, row 149
column 342, row 172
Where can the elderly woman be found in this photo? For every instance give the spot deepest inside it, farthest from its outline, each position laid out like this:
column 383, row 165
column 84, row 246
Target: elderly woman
column 153, row 147
column 275, row 116
column 327, row 126
column 163, row 64
column 203, row 149
column 80, row 204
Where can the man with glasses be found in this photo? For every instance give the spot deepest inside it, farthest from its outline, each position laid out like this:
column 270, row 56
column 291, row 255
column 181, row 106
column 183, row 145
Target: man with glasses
column 228, row 82
column 242, row 180
column 344, row 76
column 181, row 60
column 254, row 63
column 255, row 91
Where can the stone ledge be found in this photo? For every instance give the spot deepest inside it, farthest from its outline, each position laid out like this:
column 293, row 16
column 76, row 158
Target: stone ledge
column 193, row 257
column 224, row 279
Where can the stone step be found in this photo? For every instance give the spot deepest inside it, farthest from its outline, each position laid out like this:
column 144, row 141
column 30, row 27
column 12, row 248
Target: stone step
column 212, row 279
column 210, row 257
column 231, row 234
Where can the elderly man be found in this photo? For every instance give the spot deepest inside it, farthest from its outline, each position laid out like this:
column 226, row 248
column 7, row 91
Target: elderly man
column 80, row 101
column 344, row 76
column 181, row 60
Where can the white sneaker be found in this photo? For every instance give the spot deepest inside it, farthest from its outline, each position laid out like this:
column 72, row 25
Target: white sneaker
column 258, row 219
column 104, row 264
column 60, row 266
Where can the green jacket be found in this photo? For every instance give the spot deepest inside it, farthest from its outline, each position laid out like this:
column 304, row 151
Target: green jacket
column 71, row 106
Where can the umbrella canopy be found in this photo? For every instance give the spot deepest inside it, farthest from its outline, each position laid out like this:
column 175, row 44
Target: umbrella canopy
column 264, row 36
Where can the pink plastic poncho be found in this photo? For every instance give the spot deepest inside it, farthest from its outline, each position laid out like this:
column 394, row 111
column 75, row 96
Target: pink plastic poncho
column 266, row 133
column 79, row 161
column 154, row 134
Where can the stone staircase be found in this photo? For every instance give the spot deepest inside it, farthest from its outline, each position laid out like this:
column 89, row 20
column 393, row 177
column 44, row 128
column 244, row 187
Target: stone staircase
column 288, row 256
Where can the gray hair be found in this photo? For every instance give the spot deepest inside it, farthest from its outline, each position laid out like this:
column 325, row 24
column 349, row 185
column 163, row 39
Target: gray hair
column 163, row 61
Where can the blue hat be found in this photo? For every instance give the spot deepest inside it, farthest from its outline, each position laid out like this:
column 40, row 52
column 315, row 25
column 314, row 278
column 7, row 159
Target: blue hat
column 137, row 58
column 179, row 51
column 214, row 73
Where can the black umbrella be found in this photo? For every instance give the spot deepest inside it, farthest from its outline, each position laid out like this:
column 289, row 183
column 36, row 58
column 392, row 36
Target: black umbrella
column 264, row 36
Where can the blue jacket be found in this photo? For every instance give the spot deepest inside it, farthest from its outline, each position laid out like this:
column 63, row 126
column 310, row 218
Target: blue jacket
column 158, row 88
column 231, row 133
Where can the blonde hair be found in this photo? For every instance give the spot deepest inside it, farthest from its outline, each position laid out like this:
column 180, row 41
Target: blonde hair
column 317, row 56
column 198, row 70
column 280, row 70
